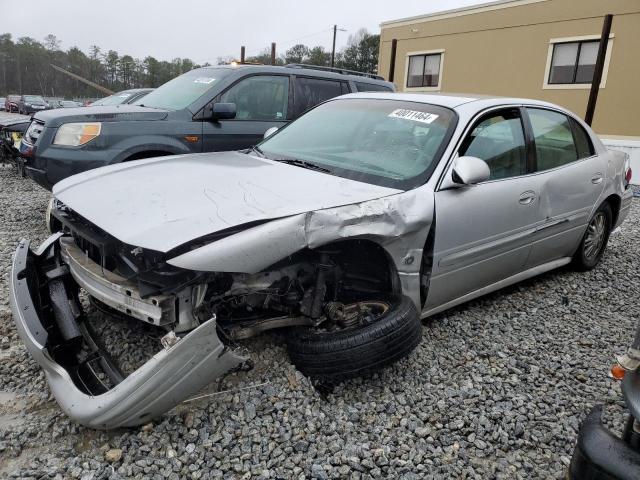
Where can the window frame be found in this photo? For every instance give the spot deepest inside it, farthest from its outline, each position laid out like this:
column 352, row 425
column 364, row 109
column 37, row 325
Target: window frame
column 424, row 53
column 289, row 114
column 293, row 100
column 546, row 85
column 529, row 152
column 573, row 125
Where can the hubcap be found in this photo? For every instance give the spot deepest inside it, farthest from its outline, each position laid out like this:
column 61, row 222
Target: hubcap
column 595, row 236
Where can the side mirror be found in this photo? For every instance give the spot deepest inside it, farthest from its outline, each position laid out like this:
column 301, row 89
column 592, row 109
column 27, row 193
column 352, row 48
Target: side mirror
column 469, row 171
column 222, row 111
column 270, row 131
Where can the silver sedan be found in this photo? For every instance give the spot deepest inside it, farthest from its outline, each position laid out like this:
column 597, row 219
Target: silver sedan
column 344, row 229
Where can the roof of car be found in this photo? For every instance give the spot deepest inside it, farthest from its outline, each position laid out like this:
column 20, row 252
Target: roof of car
column 449, row 100
column 307, row 70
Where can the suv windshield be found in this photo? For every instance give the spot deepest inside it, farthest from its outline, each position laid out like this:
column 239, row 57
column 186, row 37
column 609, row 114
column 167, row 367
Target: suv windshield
column 33, row 98
column 117, row 99
column 384, row 142
column 182, row 91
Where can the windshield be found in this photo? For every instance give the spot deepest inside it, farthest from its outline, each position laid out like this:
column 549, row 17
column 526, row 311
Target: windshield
column 33, row 98
column 384, row 142
column 182, row 91
column 117, row 99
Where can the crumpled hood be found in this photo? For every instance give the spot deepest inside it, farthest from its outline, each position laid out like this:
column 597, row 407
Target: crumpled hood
column 162, row 203
column 58, row 116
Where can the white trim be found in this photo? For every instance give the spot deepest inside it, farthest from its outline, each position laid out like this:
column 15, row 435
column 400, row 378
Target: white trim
column 576, row 86
column 458, row 12
column 406, row 71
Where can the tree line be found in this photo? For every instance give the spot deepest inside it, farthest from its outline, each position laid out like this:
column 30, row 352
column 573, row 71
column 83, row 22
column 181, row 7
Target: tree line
column 25, row 65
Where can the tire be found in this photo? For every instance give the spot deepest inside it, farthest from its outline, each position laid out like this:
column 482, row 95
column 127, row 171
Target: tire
column 336, row 356
column 595, row 239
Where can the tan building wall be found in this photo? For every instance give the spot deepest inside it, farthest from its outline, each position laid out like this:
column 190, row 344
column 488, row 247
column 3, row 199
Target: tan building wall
column 503, row 49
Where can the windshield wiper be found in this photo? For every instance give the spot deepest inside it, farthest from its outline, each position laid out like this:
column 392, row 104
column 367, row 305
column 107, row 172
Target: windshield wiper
column 302, row 164
column 257, row 150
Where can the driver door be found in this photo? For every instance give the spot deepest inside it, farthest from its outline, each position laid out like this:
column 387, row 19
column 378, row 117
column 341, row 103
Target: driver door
column 483, row 232
column 262, row 102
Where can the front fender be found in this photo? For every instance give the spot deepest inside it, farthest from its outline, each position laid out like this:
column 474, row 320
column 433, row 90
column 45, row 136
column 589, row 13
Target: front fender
column 398, row 223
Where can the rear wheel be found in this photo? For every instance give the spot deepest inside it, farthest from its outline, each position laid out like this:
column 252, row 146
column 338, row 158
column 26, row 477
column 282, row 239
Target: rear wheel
column 594, row 241
column 368, row 336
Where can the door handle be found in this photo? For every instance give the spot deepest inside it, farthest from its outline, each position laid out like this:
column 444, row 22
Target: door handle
column 597, row 178
column 527, row 198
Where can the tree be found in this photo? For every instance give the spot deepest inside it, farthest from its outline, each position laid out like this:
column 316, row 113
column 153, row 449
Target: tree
column 318, row 56
column 296, row 54
column 51, row 43
column 361, row 52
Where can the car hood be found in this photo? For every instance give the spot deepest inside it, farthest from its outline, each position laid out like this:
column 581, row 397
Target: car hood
column 116, row 113
column 166, row 202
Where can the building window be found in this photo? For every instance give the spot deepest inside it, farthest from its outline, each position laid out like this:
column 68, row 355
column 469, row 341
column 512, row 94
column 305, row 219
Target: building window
column 424, row 70
column 573, row 62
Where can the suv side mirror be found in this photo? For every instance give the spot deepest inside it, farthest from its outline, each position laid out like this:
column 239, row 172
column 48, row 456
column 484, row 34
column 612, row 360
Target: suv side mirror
column 221, row 111
column 470, row 171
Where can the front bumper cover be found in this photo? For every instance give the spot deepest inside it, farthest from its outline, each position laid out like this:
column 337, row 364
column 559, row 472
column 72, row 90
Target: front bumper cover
column 599, row 455
column 166, row 379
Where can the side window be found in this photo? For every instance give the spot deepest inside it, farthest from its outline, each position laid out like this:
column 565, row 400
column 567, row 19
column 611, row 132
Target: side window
column 308, row 92
column 260, row 97
column 553, row 137
column 498, row 139
column 372, row 87
column 583, row 141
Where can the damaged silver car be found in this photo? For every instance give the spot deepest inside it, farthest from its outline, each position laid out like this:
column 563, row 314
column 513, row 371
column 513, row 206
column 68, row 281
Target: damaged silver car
column 343, row 229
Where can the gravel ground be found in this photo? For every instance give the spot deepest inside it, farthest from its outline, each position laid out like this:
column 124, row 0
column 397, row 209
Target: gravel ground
column 497, row 389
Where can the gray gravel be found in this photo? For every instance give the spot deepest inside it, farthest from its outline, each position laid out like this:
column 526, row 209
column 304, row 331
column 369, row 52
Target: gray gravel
column 497, row 389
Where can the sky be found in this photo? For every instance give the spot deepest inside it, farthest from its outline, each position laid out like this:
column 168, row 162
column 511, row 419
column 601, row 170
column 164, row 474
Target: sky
column 204, row 30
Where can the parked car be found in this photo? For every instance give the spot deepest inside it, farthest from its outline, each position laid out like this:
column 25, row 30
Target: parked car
column 599, row 454
column 29, row 104
column 2, row 104
column 344, row 228
column 11, row 103
column 207, row 109
column 122, row 98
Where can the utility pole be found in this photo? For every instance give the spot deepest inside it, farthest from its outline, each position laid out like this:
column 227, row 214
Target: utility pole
column 333, row 49
column 597, row 74
column 273, row 53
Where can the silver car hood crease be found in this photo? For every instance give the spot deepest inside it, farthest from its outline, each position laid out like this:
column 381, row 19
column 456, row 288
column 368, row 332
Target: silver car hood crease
column 141, row 203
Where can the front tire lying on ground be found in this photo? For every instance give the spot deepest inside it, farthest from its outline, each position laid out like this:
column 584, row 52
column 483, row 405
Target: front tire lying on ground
column 391, row 332
column 595, row 239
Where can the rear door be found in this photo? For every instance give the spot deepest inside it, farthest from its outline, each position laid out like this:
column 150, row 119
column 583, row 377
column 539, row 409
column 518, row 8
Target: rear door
column 483, row 232
column 572, row 179
column 310, row 91
column 262, row 102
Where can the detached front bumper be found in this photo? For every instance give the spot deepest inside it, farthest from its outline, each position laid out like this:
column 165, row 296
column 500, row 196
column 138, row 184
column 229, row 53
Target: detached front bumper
column 47, row 330
column 599, row 455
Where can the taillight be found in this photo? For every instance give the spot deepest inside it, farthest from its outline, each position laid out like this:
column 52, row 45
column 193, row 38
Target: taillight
column 628, row 175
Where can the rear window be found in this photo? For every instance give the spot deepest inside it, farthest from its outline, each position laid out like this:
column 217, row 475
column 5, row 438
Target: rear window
column 372, row 87
column 309, row 92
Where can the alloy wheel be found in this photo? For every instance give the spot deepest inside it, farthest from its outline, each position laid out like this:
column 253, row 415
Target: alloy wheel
column 596, row 232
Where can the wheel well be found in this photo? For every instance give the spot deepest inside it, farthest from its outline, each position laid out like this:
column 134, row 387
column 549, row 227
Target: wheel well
column 614, row 202
column 147, row 154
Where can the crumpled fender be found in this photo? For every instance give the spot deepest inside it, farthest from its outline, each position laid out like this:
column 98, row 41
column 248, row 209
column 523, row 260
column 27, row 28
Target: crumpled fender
column 399, row 223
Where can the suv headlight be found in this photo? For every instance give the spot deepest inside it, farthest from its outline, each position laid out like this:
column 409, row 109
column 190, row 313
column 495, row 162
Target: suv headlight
column 76, row 134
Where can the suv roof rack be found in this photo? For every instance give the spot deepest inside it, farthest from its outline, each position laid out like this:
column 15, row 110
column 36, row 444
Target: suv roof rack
column 343, row 71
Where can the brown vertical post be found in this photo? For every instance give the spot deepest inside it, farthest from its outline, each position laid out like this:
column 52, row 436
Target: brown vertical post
column 273, row 53
column 242, row 54
column 333, row 49
column 392, row 60
column 597, row 74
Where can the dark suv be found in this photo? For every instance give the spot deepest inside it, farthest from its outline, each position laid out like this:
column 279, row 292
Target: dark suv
column 207, row 109
column 28, row 104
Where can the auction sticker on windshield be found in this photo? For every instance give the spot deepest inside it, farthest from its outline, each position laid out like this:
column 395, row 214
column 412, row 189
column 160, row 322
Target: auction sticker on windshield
column 414, row 115
column 206, row 80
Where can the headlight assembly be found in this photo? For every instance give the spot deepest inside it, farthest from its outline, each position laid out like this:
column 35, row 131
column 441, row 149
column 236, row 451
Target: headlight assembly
column 76, row 134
